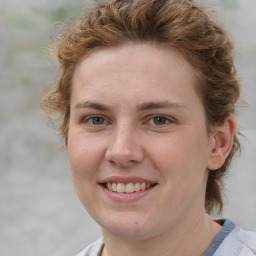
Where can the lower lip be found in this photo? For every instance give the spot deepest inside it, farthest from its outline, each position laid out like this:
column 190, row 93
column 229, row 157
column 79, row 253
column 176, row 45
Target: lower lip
column 127, row 196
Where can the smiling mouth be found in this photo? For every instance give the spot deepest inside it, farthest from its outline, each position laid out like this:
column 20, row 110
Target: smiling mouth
column 128, row 187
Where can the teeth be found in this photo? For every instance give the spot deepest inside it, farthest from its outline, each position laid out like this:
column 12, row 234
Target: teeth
column 143, row 186
column 114, row 188
column 120, row 187
column 137, row 186
column 127, row 188
column 109, row 186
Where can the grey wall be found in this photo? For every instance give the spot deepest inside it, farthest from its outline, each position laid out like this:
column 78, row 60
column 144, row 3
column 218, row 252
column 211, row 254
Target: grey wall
column 39, row 211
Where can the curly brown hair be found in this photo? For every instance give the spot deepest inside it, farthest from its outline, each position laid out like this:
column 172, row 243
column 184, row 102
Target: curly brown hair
column 173, row 23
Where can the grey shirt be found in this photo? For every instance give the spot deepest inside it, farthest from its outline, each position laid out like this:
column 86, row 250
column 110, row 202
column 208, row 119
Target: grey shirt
column 231, row 240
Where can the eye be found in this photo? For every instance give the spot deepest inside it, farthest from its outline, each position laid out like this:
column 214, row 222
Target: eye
column 94, row 121
column 159, row 120
column 97, row 120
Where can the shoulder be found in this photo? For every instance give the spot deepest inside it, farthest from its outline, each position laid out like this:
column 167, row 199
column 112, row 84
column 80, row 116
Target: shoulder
column 238, row 243
column 94, row 249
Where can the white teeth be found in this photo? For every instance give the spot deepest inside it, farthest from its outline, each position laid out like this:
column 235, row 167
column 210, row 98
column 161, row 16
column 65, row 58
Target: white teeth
column 114, row 188
column 109, row 186
column 137, row 186
column 143, row 186
column 120, row 187
column 127, row 188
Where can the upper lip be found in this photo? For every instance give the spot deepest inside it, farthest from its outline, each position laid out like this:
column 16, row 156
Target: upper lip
column 132, row 179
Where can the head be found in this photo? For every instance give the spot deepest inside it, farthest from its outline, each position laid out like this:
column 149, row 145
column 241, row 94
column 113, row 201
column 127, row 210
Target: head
column 177, row 24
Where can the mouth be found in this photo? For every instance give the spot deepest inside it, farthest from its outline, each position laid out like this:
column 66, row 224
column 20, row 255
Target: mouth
column 128, row 188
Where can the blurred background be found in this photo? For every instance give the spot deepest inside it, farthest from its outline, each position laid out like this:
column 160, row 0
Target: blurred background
column 39, row 212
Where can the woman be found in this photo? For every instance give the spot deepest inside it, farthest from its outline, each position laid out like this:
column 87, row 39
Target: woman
column 146, row 99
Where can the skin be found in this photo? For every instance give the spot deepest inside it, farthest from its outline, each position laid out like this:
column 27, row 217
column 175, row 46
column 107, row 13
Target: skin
column 135, row 113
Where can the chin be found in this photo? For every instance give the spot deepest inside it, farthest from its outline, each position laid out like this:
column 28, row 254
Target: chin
column 127, row 228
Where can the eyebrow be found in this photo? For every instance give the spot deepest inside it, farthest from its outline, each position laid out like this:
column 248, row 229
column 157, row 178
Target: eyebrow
column 159, row 104
column 92, row 105
column 143, row 107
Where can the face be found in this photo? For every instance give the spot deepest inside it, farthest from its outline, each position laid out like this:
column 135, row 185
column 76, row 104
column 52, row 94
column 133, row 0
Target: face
column 137, row 141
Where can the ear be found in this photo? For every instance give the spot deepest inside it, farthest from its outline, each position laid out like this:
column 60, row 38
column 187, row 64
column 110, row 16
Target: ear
column 221, row 142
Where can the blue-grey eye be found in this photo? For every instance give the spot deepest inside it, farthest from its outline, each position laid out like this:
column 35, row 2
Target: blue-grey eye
column 160, row 120
column 97, row 120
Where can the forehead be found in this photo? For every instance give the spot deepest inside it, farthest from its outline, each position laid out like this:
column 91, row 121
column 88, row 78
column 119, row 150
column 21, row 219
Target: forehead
column 137, row 55
column 132, row 68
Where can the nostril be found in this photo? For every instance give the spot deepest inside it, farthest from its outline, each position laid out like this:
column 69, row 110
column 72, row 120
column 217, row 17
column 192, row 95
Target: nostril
column 123, row 158
column 124, row 151
column 122, row 163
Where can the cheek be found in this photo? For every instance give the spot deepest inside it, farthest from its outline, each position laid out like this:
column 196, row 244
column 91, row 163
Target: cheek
column 182, row 157
column 175, row 150
column 84, row 162
column 84, row 156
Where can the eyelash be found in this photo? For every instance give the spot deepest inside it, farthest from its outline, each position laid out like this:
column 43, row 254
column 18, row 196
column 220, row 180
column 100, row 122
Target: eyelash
column 90, row 119
column 167, row 120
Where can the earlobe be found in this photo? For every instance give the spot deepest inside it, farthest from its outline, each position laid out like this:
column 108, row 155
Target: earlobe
column 221, row 143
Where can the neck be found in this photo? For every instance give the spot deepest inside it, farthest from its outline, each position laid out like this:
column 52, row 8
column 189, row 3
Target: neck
column 184, row 239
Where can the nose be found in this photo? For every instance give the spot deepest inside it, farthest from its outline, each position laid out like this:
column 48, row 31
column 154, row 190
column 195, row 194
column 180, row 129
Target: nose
column 124, row 149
